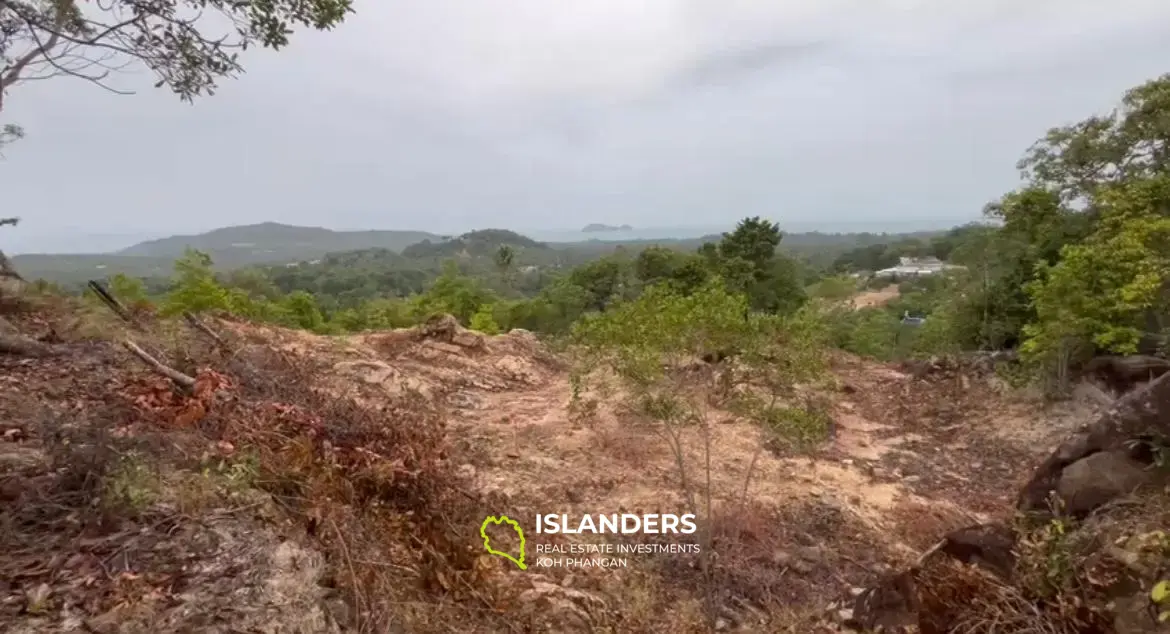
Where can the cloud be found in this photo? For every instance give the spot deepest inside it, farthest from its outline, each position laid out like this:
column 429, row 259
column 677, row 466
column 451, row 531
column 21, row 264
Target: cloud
column 458, row 114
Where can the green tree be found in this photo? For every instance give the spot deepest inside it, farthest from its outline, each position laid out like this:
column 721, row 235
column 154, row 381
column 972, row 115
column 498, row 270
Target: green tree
column 605, row 280
column 304, row 312
column 1133, row 141
column 657, row 263
column 1112, row 289
column 484, row 320
column 452, row 293
column 195, row 287
column 754, row 240
column 504, row 259
column 174, row 39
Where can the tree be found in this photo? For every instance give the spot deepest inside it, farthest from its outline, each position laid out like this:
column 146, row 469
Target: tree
column 1133, row 141
column 504, row 258
column 605, row 280
column 173, row 38
column 452, row 293
column 754, row 240
column 195, row 289
column 1110, row 290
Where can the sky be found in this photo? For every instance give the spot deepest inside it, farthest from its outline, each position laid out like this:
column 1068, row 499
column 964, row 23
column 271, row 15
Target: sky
column 451, row 115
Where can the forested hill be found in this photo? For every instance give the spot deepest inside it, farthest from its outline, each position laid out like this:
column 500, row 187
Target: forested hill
column 485, row 242
column 274, row 242
column 274, row 245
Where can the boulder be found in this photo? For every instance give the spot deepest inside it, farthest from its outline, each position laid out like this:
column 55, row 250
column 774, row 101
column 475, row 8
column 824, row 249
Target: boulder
column 1099, row 478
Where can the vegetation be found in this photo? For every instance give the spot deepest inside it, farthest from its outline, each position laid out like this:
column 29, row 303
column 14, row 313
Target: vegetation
column 1073, row 263
column 63, row 39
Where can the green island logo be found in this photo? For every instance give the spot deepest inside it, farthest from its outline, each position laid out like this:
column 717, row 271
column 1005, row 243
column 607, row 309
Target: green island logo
column 503, row 519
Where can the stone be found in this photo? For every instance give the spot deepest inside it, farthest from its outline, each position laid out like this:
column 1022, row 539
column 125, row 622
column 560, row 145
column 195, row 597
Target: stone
column 1098, row 479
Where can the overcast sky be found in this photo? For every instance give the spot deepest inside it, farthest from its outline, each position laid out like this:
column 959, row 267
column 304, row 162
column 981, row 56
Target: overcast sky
column 450, row 115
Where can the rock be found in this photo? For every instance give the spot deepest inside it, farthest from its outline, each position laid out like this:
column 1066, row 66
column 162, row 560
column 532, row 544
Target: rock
column 447, row 348
column 990, row 546
column 1122, row 373
column 1098, row 479
column 518, row 369
column 468, row 339
column 1140, row 414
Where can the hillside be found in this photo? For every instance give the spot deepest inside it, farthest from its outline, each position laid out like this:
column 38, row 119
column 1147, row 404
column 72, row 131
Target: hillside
column 339, row 484
column 474, row 244
column 275, row 242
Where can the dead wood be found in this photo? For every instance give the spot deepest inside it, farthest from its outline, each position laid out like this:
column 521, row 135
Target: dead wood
column 1141, row 414
column 23, row 346
column 112, row 302
column 206, row 330
column 180, row 379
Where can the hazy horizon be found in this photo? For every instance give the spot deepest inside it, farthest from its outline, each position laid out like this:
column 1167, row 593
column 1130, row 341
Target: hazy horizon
column 458, row 115
column 98, row 243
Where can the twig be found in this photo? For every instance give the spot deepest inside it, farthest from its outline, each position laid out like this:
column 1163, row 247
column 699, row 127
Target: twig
column 180, row 379
column 387, row 564
column 359, row 598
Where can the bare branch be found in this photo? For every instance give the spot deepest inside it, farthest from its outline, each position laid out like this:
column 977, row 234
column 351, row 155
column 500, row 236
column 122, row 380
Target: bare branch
column 180, row 379
column 203, row 328
column 112, row 302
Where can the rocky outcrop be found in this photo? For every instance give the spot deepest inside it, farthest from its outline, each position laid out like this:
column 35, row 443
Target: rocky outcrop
column 1067, row 511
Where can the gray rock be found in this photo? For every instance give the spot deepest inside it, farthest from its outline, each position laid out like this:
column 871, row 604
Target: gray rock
column 1099, row 478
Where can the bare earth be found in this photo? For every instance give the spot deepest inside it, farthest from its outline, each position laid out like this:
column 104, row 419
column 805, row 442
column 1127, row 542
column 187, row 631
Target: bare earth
column 871, row 299
column 909, row 459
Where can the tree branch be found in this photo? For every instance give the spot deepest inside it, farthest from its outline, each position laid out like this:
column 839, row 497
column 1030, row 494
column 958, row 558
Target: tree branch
column 180, row 379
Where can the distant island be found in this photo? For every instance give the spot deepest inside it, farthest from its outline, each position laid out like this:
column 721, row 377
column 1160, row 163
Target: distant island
column 599, row 228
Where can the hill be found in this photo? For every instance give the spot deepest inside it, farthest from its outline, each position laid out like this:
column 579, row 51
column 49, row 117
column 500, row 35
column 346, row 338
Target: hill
column 481, row 243
column 272, row 242
column 390, row 449
column 354, row 253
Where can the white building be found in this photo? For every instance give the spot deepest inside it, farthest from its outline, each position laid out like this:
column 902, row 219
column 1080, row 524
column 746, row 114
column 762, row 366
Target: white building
column 914, row 267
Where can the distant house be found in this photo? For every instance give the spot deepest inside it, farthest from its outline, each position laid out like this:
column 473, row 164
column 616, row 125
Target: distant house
column 915, row 267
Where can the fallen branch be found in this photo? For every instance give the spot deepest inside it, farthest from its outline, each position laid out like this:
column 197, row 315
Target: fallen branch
column 180, row 379
column 112, row 302
column 23, row 346
column 204, row 329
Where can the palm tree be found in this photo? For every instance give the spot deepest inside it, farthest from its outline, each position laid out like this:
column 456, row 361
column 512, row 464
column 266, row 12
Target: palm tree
column 504, row 257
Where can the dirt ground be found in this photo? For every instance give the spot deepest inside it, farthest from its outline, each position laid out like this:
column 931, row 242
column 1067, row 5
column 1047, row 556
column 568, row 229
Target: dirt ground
column 875, row 298
column 909, row 458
